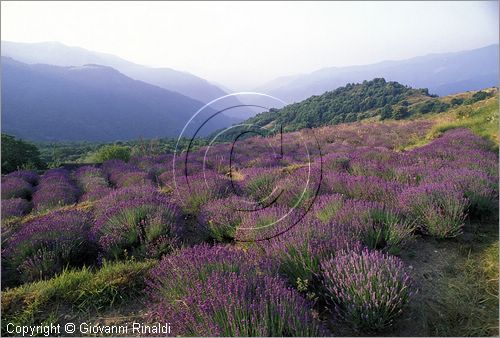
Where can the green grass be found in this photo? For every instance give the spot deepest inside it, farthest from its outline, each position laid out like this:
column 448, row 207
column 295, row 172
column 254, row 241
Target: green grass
column 481, row 118
column 74, row 293
column 468, row 296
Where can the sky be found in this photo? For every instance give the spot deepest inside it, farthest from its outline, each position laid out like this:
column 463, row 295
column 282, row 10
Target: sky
column 241, row 45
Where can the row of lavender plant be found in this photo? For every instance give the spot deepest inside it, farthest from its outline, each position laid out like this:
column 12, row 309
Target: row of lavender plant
column 17, row 188
column 56, row 188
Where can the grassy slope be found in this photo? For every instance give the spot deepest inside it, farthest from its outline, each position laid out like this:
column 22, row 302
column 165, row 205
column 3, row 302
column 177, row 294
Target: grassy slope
column 75, row 295
column 481, row 117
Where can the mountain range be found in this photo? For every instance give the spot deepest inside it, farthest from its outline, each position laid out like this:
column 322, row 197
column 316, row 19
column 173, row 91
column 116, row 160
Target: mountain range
column 442, row 74
column 58, row 54
column 93, row 103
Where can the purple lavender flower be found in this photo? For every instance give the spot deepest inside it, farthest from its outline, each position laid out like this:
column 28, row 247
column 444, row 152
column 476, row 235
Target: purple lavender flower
column 181, row 286
column 15, row 207
column 136, row 224
column 123, row 174
column 58, row 239
column 437, row 208
column 368, row 188
column 27, row 175
column 193, row 192
column 15, row 187
column 89, row 178
column 228, row 304
column 56, row 188
column 368, row 289
column 222, row 217
column 480, row 189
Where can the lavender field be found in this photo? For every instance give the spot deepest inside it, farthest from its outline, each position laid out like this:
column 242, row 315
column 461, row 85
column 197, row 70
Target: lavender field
column 343, row 230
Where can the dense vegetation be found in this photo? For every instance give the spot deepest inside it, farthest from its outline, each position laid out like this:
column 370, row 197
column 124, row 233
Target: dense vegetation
column 350, row 103
column 59, row 153
column 18, row 154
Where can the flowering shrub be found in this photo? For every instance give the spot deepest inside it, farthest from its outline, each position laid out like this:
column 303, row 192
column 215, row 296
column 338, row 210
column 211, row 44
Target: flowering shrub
column 193, row 192
column 92, row 182
column 370, row 188
column 146, row 226
column 377, row 227
column 261, row 185
column 368, row 289
column 26, row 175
column 171, row 279
column 480, row 189
column 15, row 207
column 96, row 194
column 297, row 253
column 437, row 208
column 123, row 195
column 325, row 207
column 266, row 223
column 188, row 287
column 222, row 217
column 336, row 162
column 386, row 230
column 56, row 188
column 228, row 304
column 15, row 187
column 300, row 188
column 46, row 245
column 123, row 174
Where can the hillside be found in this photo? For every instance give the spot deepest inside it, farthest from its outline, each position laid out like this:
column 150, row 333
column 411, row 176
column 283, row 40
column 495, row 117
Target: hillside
column 442, row 74
column 353, row 102
column 91, row 103
column 373, row 191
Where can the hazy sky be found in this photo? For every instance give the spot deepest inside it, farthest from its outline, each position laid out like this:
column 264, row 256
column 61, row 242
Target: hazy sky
column 242, row 44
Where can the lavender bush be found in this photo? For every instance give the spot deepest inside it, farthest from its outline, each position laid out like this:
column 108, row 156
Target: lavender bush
column 368, row 289
column 145, row 226
column 56, row 188
column 188, row 286
column 15, row 207
column 222, row 217
column 193, row 192
column 46, row 245
column 251, row 306
column 26, row 175
column 437, row 208
column 15, row 187
column 123, row 174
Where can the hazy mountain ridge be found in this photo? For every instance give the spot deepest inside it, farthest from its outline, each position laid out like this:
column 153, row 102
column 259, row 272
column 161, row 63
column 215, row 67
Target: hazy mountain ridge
column 58, row 54
column 442, row 74
column 92, row 102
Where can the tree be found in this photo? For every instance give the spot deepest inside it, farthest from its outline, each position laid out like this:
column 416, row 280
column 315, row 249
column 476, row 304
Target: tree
column 111, row 152
column 19, row 154
column 385, row 112
column 399, row 113
column 456, row 101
